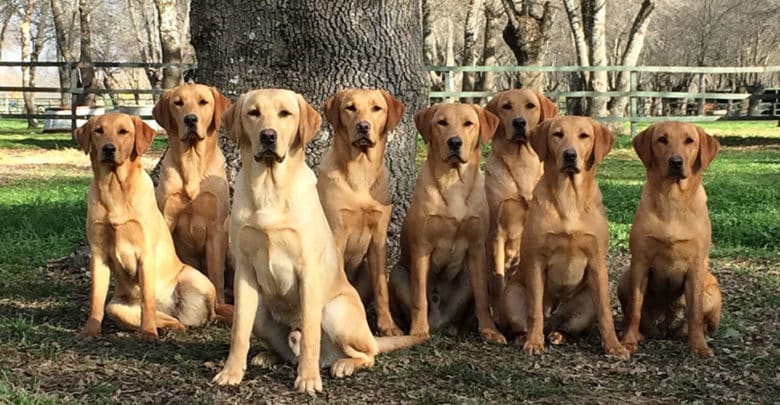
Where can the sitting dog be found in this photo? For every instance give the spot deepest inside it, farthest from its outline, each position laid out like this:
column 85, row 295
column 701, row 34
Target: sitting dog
column 669, row 279
column 511, row 173
column 443, row 237
column 289, row 281
column 129, row 239
column 563, row 262
column 352, row 186
column 193, row 192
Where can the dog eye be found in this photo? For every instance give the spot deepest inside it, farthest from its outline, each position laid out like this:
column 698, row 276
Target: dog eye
column 558, row 134
column 203, row 102
column 584, row 135
column 254, row 113
column 507, row 106
column 99, row 130
column 178, row 103
column 351, row 108
column 442, row 123
column 284, row 113
column 663, row 140
column 468, row 124
column 688, row 140
column 376, row 108
column 530, row 106
column 123, row 131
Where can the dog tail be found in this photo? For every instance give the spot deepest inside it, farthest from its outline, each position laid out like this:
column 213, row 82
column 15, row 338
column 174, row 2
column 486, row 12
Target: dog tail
column 391, row 343
column 224, row 314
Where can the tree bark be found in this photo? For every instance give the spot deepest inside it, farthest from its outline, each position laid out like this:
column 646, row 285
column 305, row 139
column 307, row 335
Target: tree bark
column 85, row 58
column 318, row 48
column 597, row 10
column 63, row 21
column 634, row 45
column 470, row 53
column 492, row 41
column 170, row 41
column 527, row 35
column 579, row 81
column 430, row 52
column 25, row 31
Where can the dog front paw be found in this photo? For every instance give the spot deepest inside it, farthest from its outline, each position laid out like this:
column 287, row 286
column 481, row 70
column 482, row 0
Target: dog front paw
column 389, row 329
column 308, row 382
column 91, row 328
column 533, row 346
column 491, row 335
column 149, row 335
column 701, row 350
column 420, row 333
column 618, row 351
column 229, row 376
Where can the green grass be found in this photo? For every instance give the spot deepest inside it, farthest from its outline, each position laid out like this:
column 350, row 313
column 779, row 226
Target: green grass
column 43, row 360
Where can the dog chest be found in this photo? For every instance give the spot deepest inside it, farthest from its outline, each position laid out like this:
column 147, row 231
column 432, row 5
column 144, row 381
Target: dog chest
column 450, row 240
column 127, row 245
column 274, row 259
column 567, row 262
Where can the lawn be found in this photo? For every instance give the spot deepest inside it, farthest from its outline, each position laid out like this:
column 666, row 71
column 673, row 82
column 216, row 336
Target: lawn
column 42, row 306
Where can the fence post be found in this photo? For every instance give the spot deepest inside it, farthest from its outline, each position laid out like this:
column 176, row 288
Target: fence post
column 74, row 77
column 632, row 110
column 448, row 85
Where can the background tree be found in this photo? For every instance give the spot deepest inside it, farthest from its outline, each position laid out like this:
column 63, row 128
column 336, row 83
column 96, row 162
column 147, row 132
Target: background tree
column 527, row 35
column 66, row 27
column 318, row 48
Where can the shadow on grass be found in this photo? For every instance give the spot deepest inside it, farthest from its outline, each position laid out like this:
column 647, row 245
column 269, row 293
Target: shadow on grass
column 737, row 141
column 43, row 143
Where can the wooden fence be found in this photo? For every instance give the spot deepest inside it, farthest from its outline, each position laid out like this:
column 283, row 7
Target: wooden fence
column 633, row 93
column 449, row 92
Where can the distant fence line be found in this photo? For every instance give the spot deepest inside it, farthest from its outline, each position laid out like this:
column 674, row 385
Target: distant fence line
column 451, row 93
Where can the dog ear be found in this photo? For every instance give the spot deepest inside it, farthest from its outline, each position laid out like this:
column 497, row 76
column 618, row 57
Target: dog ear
column 538, row 139
column 332, row 110
column 708, row 148
column 603, row 140
column 547, row 108
column 422, row 121
column 221, row 103
column 643, row 145
column 144, row 135
column 162, row 113
column 83, row 135
column 488, row 123
column 309, row 122
column 231, row 120
column 493, row 106
column 395, row 111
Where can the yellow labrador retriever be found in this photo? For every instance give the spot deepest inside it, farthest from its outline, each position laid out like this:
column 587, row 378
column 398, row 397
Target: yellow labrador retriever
column 669, row 279
column 353, row 188
column 129, row 239
column 193, row 192
column 290, row 284
column 442, row 263
column 511, row 173
column 563, row 264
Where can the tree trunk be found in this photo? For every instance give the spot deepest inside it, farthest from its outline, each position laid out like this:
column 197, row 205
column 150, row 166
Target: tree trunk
column 430, row 53
column 636, row 41
column 470, row 54
column 5, row 20
column 527, row 33
column 170, row 39
column 65, row 45
column 492, row 41
column 85, row 59
column 318, row 48
column 597, row 10
column 25, row 31
column 37, row 44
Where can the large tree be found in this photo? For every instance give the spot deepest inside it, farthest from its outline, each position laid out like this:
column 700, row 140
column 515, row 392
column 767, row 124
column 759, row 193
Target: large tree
column 317, row 48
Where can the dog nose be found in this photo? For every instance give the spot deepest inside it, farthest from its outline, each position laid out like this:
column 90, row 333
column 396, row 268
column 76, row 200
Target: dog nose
column 569, row 155
column 518, row 123
column 268, row 137
column 109, row 148
column 676, row 162
column 190, row 120
column 363, row 127
column 455, row 143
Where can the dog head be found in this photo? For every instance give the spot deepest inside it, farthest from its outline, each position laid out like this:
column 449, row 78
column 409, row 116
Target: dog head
column 361, row 118
column 675, row 149
column 519, row 112
column 572, row 144
column 269, row 124
column 453, row 131
column 190, row 112
column 114, row 138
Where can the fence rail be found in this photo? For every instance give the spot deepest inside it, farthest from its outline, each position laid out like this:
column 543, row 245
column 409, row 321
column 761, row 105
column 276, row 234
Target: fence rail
column 633, row 94
column 449, row 92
